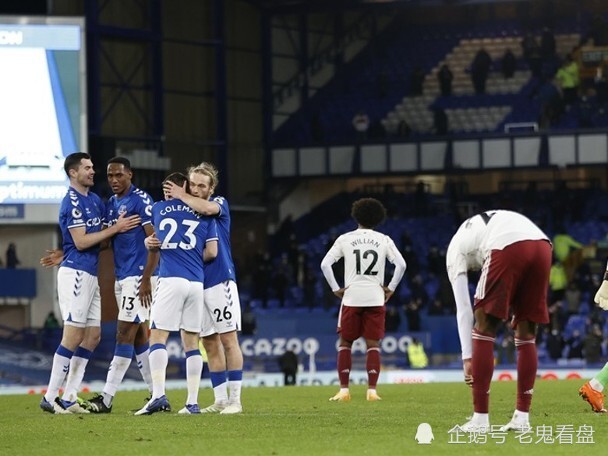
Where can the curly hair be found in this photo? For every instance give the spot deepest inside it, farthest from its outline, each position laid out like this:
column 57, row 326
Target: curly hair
column 368, row 212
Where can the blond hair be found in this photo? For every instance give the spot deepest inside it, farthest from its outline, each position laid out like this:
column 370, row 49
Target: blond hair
column 206, row 169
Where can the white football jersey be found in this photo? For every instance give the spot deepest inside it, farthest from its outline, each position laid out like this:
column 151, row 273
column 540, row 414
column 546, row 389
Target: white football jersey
column 482, row 233
column 365, row 253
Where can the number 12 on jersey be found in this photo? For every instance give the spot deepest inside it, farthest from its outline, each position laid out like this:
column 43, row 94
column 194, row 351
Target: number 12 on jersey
column 366, row 254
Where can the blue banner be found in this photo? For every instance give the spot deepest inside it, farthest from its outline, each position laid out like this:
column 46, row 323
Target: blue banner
column 12, row 211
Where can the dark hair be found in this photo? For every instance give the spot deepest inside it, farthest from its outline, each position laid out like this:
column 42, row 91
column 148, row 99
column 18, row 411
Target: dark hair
column 178, row 179
column 72, row 161
column 121, row 161
column 368, row 212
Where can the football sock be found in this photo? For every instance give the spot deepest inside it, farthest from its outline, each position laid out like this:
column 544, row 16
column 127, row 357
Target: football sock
column 142, row 354
column 117, row 370
column 235, row 381
column 344, row 364
column 372, row 365
column 158, row 369
column 61, row 366
column 601, row 379
column 78, row 364
column 483, row 368
column 194, row 369
column 220, row 387
column 527, row 364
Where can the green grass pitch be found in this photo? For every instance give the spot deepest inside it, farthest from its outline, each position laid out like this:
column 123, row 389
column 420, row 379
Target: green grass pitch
column 301, row 421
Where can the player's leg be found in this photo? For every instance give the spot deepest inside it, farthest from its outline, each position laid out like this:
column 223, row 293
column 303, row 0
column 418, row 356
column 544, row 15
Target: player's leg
column 234, row 365
column 372, row 365
column 158, row 367
column 482, row 363
column 90, row 306
column 142, row 345
column 492, row 298
column 593, row 390
column 78, row 363
column 373, row 319
column 349, row 324
column 123, row 353
column 142, row 354
column 166, row 316
column 231, row 324
column 194, row 369
column 130, row 315
column 217, row 371
column 74, row 293
column 529, row 306
column 191, row 325
column 70, row 340
column 527, row 365
column 343, row 365
column 214, row 321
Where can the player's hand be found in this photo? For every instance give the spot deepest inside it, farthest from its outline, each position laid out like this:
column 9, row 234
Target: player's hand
column 173, row 190
column 340, row 293
column 601, row 296
column 127, row 223
column 53, row 257
column 152, row 242
column 387, row 293
column 467, row 367
column 145, row 292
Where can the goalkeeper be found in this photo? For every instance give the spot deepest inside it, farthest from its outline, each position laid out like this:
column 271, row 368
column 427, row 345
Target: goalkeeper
column 593, row 390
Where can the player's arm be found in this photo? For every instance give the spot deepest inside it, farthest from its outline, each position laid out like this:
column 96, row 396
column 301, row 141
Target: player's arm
column 145, row 289
column 210, row 250
column 399, row 262
column 465, row 319
column 328, row 272
column 84, row 240
column 200, row 205
column 601, row 296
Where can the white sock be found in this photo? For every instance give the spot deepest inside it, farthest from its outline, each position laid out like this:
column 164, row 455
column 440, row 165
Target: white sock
column 61, row 365
column 158, row 369
column 235, row 381
column 220, row 392
column 78, row 364
column 596, row 385
column 235, row 391
column 142, row 356
column 522, row 416
column 194, row 369
column 344, row 390
column 116, row 372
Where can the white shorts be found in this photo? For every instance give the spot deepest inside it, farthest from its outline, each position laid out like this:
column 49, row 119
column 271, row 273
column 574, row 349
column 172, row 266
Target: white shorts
column 127, row 298
column 79, row 299
column 222, row 309
column 177, row 304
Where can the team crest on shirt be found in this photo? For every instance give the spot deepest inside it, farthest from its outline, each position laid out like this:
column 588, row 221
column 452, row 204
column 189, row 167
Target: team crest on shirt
column 122, row 209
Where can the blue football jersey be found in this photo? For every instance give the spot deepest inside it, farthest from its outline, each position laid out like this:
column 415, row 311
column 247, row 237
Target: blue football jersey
column 183, row 234
column 222, row 268
column 80, row 211
column 130, row 253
